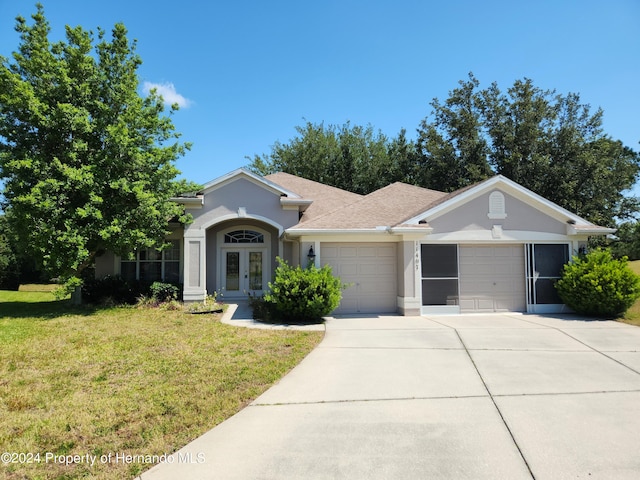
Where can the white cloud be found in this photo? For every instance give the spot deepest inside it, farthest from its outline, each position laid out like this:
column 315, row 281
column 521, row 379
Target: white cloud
column 168, row 93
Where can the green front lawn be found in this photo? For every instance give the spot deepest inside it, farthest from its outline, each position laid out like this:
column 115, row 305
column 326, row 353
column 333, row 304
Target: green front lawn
column 76, row 380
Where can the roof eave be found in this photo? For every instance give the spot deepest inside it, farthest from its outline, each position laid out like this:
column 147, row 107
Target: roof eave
column 300, row 204
column 189, row 202
column 589, row 230
column 299, row 232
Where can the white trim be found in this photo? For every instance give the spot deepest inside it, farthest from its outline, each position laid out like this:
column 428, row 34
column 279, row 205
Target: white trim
column 195, row 293
column 439, row 309
column 530, row 277
column 299, row 232
column 189, row 202
column 300, row 204
column 486, row 236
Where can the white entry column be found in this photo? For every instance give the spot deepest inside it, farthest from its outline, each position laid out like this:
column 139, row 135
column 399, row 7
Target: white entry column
column 195, row 289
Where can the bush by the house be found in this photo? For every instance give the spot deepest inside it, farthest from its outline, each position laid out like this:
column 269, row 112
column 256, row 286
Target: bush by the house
column 597, row 284
column 164, row 292
column 262, row 310
column 302, row 294
column 111, row 289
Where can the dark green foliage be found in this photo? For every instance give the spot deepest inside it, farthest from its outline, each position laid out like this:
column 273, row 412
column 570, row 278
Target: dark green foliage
column 451, row 148
column 628, row 242
column 9, row 265
column 112, row 289
column 164, row 292
column 551, row 144
column 599, row 285
column 352, row 158
column 262, row 310
column 87, row 163
column 302, row 294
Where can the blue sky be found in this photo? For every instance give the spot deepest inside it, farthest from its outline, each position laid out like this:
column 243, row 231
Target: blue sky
column 249, row 72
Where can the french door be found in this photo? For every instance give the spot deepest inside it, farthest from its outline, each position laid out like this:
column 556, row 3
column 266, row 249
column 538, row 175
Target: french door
column 243, row 271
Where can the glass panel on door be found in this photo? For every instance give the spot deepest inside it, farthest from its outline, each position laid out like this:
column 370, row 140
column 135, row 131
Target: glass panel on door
column 232, row 273
column 255, row 271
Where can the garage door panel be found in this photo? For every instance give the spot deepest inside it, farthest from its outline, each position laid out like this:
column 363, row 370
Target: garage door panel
column 366, row 252
column 347, row 252
column 350, row 269
column 371, row 271
column 492, row 278
column 387, row 252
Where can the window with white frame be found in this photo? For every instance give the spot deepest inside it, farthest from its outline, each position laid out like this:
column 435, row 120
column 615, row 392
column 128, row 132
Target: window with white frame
column 151, row 265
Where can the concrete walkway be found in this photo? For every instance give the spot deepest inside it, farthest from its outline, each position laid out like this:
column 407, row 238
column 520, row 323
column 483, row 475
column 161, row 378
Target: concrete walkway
column 240, row 314
column 455, row 397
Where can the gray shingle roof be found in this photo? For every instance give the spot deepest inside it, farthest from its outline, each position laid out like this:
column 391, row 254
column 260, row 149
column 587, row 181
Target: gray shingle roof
column 325, row 198
column 389, row 206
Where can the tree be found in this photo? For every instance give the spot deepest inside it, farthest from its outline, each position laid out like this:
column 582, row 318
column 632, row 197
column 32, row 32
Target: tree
column 88, row 164
column 9, row 265
column 554, row 145
column 452, row 152
column 628, row 241
column 549, row 143
column 353, row 158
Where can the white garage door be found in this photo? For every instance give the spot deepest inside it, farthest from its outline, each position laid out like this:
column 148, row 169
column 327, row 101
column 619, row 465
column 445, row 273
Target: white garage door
column 370, row 268
column 492, row 279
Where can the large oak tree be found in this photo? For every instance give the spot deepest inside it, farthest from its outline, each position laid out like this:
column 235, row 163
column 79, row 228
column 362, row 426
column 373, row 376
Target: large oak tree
column 87, row 163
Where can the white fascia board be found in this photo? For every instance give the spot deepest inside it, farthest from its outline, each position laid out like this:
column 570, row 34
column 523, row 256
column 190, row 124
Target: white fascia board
column 507, row 236
column 571, row 230
column 411, row 231
column 300, row 232
column 189, row 202
column 300, row 204
column 252, row 177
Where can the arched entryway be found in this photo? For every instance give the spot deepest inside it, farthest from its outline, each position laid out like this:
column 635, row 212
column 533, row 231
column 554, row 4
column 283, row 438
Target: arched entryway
column 241, row 256
column 243, row 260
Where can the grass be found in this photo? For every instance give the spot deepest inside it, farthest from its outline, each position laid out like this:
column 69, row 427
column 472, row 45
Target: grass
column 79, row 380
column 632, row 315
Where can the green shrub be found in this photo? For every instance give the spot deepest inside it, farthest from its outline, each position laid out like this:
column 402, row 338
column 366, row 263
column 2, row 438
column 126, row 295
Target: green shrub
column 262, row 310
column 599, row 285
column 164, row 292
column 302, row 295
column 112, row 290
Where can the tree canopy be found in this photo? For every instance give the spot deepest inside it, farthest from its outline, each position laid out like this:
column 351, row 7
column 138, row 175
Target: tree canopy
column 87, row 163
column 353, row 158
column 550, row 143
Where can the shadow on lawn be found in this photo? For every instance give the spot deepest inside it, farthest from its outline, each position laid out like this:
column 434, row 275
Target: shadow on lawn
column 46, row 310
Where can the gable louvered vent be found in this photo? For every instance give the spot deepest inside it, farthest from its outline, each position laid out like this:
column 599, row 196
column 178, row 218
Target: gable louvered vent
column 497, row 208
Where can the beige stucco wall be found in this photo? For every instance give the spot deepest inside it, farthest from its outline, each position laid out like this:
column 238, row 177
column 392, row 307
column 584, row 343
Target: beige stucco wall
column 256, row 201
column 520, row 216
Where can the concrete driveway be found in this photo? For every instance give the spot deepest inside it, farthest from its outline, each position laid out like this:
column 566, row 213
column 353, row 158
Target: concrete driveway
column 453, row 397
